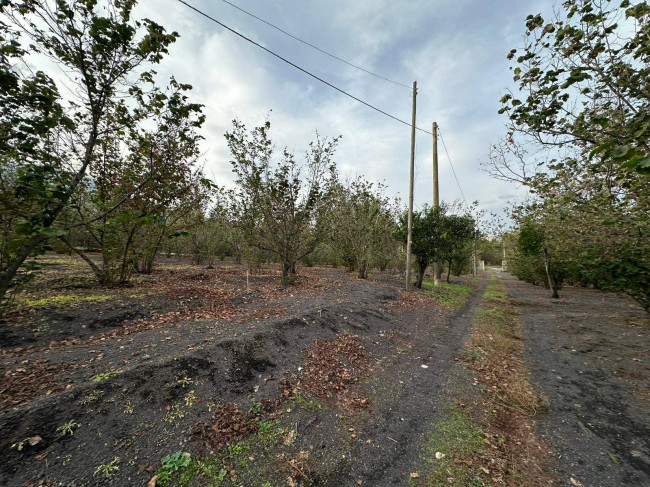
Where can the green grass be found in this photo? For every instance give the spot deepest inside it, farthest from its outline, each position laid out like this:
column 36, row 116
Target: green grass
column 453, row 296
column 181, row 469
column 64, row 300
column 448, row 443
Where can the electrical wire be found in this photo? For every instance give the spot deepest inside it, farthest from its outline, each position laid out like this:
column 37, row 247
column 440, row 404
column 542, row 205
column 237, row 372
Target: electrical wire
column 315, row 47
column 299, row 68
column 452, row 166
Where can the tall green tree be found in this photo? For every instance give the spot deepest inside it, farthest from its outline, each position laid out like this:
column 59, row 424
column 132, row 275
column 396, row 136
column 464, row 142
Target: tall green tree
column 427, row 240
column 48, row 144
column 362, row 218
column 579, row 138
column 281, row 204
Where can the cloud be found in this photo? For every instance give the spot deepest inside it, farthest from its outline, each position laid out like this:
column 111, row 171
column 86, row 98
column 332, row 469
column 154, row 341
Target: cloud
column 455, row 49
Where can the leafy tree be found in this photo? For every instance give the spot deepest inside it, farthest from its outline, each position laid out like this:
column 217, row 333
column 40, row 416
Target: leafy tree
column 281, row 205
column 363, row 219
column 579, row 139
column 531, row 243
column 47, row 144
column 427, row 237
column 585, row 76
column 457, row 233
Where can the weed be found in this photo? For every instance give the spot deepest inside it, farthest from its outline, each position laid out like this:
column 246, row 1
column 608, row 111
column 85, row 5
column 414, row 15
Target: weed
column 104, row 376
column 171, row 465
column 190, row 399
column 175, row 413
column 264, row 427
column 450, row 441
column 184, row 381
column 68, row 428
column 256, row 408
column 108, row 469
column 471, row 355
column 305, row 401
column 64, row 300
column 92, row 397
column 128, row 408
column 452, row 296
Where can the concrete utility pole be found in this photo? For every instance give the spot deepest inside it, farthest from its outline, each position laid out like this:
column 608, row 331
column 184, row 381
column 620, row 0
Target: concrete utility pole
column 437, row 269
column 407, row 284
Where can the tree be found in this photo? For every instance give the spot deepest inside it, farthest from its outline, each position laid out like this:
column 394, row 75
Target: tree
column 48, row 145
column 531, row 243
column 579, row 139
column 362, row 218
column 458, row 231
column 427, row 237
column 281, row 206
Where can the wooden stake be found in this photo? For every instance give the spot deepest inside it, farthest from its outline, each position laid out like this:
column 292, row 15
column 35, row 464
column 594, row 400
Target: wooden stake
column 407, row 284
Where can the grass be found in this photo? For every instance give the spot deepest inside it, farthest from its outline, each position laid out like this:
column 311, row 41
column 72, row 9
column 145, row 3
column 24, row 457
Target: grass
column 62, row 300
column 497, row 351
column 492, row 438
column 449, row 444
column 250, row 461
column 453, row 296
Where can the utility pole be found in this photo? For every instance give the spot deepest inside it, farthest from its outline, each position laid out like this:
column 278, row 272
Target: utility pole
column 436, row 195
column 409, row 238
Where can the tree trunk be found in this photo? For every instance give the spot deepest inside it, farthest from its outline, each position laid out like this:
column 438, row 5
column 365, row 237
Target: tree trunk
column 551, row 281
column 421, row 270
column 363, row 271
column 288, row 277
column 449, row 272
column 96, row 270
column 11, row 270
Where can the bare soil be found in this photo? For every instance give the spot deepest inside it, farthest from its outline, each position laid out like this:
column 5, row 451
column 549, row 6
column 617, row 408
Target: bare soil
column 174, row 363
column 589, row 353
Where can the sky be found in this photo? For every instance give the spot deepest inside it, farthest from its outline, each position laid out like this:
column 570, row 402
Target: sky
column 455, row 49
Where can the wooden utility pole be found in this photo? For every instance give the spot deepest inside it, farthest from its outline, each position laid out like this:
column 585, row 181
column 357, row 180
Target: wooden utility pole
column 436, row 194
column 409, row 239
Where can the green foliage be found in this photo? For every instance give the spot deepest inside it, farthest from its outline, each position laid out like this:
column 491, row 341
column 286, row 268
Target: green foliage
column 281, row 207
column 171, row 465
column 362, row 226
column 579, row 139
column 55, row 154
column 453, row 296
column 450, row 440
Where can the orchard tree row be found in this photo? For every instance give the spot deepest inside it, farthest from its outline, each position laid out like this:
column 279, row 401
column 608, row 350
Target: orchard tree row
column 97, row 156
column 579, row 139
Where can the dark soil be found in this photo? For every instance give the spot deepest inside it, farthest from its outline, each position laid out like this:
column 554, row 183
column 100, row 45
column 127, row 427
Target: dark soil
column 155, row 382
column 590, row 355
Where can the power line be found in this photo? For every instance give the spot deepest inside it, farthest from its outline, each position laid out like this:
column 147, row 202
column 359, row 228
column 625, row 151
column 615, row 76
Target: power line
column 452, row 166
column 315, row 47
column 298, row 67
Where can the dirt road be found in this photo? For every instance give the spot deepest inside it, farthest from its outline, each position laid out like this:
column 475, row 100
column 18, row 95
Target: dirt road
column 589, row 353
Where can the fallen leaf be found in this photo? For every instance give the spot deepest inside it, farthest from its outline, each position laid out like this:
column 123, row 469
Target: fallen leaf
column 576, row 482
column 414, row 475
column 35, row 440
column 42, row 455
column 359, row 481
column 152, row 482
column 485, row 470
column 288, row 438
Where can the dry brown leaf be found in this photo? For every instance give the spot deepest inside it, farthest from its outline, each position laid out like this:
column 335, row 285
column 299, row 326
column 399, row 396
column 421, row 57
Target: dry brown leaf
column 35, row 440
column 575, row 482
column 414, row 475
column 152, row 482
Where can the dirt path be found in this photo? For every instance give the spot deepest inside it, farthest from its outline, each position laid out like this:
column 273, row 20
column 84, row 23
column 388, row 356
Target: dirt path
column 407, row 397
column 589, row 353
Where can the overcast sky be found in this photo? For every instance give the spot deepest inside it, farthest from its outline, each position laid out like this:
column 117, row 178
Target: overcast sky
column 455, row 49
